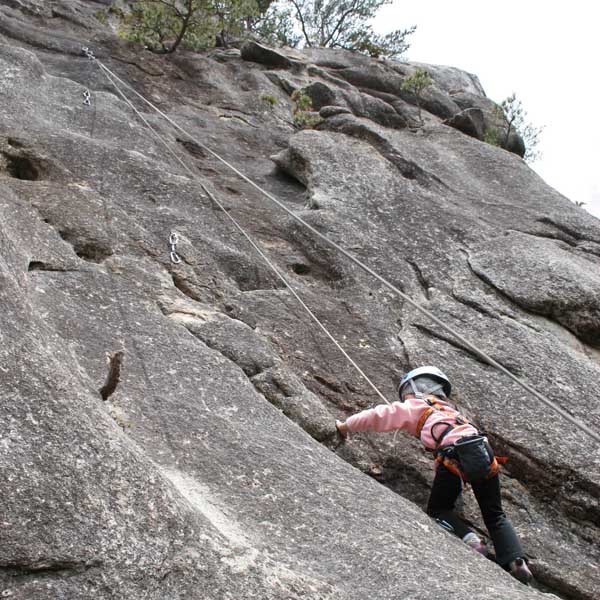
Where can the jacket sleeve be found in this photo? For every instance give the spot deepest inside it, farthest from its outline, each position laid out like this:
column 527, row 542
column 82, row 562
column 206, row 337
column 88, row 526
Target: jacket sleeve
column 385, row 417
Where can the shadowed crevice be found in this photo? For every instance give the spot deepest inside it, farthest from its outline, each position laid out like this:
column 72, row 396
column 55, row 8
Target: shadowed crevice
column 409, row 169
column 420, row 278
column 115, row 363
column 47, row 568
column 183, row 285
column 90, row 250
column 21, row 166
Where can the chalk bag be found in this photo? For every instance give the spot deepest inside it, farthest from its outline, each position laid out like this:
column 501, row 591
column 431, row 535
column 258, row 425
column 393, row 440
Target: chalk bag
column 475, row 456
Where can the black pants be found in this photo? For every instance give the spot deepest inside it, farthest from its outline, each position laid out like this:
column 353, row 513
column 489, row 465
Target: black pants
column 444, row 493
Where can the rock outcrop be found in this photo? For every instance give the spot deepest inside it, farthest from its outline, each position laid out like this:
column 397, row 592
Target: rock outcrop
column 167, row 429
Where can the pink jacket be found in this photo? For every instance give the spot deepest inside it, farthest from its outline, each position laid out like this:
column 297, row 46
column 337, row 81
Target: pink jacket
column 406, row 415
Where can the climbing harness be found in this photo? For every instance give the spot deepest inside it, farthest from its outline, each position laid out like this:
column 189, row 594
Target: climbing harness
column 436, row 406
column 471, row 457
column 476, row 458
column 473, row 348
column 173, row 240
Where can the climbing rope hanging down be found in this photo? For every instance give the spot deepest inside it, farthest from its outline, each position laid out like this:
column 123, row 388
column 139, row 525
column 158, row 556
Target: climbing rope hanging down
column 173, row 238
column 126, row 318
column 472, row 347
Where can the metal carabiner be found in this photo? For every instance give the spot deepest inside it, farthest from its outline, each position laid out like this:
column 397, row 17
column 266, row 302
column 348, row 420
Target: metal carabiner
column 173, row 239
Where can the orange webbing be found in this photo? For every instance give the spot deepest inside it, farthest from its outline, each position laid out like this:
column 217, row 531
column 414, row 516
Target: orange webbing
column 435, row 406
column 452, row 466
column 494, row 468
column 421, row 423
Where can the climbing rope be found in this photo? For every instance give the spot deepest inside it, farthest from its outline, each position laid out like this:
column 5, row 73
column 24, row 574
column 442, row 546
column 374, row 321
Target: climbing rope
column 173, row 239
column 466, row 343
column 115, row 292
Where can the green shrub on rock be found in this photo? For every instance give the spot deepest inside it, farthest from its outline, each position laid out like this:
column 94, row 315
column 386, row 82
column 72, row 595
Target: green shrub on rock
column 415, row 85
column 304, row 115
column 511, row 116
column 164, row 25
column 269, row 99
column 492, row 136
column 514, row 115
column 101, row 16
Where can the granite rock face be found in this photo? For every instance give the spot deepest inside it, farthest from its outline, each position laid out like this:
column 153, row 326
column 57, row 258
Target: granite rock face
column 167, row 428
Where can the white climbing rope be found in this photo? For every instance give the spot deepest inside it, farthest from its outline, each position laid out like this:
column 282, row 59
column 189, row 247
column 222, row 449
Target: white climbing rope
column 470, row 346
column 121, row 306
column 173, row 239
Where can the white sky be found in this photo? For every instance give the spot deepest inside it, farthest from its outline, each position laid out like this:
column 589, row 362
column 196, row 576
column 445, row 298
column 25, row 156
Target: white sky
column 546, row 52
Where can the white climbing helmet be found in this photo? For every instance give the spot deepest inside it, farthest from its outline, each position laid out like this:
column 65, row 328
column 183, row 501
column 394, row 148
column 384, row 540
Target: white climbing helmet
column 434, row 376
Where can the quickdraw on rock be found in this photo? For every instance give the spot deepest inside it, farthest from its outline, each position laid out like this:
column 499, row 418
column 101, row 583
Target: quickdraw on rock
column 87, row 96
column 173, row 241
column 88, row 53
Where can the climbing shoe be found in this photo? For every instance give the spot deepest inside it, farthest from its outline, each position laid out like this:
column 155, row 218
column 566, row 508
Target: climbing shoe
column 472, row 540
column 519, row 570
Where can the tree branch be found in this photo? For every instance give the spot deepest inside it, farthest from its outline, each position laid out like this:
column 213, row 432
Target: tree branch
column 170, row 5
column 184, row 25
column 340, row 22
column 302, row 24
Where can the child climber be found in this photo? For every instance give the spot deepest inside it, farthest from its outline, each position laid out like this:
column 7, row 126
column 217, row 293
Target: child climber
column 462, row 454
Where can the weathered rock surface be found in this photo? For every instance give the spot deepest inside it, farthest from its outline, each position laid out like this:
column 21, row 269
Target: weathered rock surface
column 208, row 466
column 545, row 276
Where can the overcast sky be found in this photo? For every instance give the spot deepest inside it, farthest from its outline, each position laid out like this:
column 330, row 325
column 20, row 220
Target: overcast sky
column 545, row 51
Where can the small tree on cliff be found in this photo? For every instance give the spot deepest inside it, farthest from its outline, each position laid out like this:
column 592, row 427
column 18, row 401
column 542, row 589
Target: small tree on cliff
column 164, row 25
column 513, row 114
column 344, row 24
column 416, row 84
column 275, row 25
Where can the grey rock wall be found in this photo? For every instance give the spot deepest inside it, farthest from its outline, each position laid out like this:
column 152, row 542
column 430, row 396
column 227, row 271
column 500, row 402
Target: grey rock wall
column 167, row 429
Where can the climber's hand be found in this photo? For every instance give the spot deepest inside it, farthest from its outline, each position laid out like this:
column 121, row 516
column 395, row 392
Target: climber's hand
column 342, row 428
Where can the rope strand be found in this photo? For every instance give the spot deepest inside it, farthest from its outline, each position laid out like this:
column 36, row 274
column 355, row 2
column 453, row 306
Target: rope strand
column 472, row 347
column 250, row 241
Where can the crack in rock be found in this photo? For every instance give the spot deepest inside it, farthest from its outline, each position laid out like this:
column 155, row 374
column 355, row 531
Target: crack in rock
column 115, row 363
column 420, row 278
column 51, row 567
column 353, row 127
